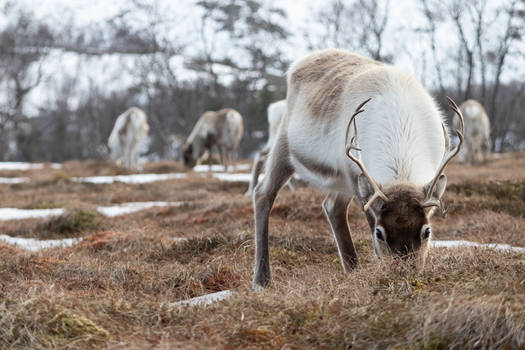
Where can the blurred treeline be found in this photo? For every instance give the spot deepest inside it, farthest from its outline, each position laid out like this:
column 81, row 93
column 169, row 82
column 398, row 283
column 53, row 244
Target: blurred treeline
column 237, row 57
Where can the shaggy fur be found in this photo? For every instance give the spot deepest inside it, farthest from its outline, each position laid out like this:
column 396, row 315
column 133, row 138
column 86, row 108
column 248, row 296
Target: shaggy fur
column 402, row 138
column 477, row 133
column 223, row 128
column 131, row 128
column 276, row 113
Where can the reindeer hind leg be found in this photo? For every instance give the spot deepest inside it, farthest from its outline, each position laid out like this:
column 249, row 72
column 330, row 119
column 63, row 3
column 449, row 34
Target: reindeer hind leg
column 258, row 163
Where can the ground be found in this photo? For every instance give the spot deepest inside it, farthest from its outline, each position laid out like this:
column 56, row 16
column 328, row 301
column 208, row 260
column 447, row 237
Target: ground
column 114, row 289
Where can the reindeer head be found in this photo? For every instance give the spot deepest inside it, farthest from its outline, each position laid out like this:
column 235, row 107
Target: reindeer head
column 187, row 155
column 399, row 216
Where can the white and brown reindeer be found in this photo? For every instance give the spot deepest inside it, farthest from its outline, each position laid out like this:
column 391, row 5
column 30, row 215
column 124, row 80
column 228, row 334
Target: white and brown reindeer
column 130, row 129
column 223, row 128
column 276, row 113
column 393, row 164
column 477, row 133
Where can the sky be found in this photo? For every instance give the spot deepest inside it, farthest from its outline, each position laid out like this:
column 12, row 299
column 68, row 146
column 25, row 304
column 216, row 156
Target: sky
column 107, row 71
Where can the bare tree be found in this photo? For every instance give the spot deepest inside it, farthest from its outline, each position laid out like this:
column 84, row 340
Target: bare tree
column 20, row 73
column 252, row 32
column 485, row 42
column 359, row 25
column 433, row 19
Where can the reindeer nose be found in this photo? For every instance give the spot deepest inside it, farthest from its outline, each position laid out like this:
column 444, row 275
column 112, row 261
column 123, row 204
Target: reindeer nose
column 404, row 251
column 401, row 220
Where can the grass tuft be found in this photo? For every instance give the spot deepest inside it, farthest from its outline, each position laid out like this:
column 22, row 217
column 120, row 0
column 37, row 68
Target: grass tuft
column 75, row 222
column 505, row 196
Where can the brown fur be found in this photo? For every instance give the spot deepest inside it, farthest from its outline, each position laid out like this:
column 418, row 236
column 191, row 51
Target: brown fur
column 218, row 118
column 220, row 121
column 318, row 168
column 326, row 75
column 402, row 217
column 215, row 124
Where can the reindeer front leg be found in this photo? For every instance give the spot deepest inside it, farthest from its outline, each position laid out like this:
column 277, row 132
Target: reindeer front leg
column 278, row 171
column 335, row 208
column 135, row 157
column 127, row 155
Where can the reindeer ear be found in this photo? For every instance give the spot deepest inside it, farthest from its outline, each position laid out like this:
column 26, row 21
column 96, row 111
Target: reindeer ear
column 364, row 189
column 440, row 187
column 365, row 192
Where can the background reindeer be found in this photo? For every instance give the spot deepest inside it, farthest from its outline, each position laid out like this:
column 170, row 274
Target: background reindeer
column 395, row 167
column 131, row 127
column 276, row 112
column 223, row 128
column 477, row 133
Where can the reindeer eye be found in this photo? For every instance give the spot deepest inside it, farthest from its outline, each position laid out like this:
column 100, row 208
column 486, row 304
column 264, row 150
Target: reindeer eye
column 426, row 233
column 379, row 235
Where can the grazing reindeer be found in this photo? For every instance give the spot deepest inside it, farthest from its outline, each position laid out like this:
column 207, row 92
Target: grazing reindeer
column 276, row 112
column 394, row 168
column 131, row 127
column 223, row 128
column 477, row 134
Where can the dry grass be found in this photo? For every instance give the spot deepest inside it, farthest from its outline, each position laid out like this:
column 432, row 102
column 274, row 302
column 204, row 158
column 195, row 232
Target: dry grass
column 113, row 290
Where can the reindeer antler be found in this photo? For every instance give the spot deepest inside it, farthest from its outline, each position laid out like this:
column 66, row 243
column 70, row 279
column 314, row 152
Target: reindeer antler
column 354, row 145
column 447, row 157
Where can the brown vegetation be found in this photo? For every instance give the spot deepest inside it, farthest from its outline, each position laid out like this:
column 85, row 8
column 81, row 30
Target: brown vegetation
column 114, row 288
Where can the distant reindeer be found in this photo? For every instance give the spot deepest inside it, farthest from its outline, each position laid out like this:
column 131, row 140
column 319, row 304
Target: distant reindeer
column 394, row 168
column 223, row 129
column 477, row 133
column 276, row 112
column 131, row 127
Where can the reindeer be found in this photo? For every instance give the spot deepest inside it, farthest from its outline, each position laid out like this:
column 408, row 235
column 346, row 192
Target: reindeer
column 131, row 127
column 223, row 128
column 276, row 112
column 477, row 136
column 393, row 164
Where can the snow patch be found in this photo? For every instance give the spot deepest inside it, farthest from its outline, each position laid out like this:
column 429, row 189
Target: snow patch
column 34, row 245
column 147, row 178
column 219, row 168
column 130, row 179
column 111, row 211
column 461, row 243
column 13, row 180
column 132, row 207
column 205, row 299
column 234, row 177
column 25, row 166
column 20, row 214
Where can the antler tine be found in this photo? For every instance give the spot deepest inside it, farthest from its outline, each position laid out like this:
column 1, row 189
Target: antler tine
column 354, row 145
column 436, row 203
column 357, row 111
column 447, row 157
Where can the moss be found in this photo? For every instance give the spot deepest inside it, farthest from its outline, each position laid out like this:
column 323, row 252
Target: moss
column 67, row 326
column 418, row 284
column 433, row 342
column 61, row 176
column 186, row 251
column 499, row 190
column 75, row 222
column 508, row 197
column 287, row 257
